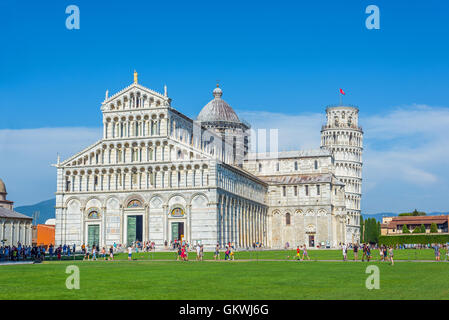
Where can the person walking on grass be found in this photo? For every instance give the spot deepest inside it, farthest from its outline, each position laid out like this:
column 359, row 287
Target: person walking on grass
column 391, row 256
column 298, row 253
column 94, row 253
column 130, row 253
column 381, row 253
column 217, row 252
column 179, row 252
column 184, row 255
column 103, row 253
column 198, row 252
column 436, row 248
column 356, row 249
column 368, row 252
column 363, row 252
column 305, row 254
column 86, row 254
column 231, row 253
column 111, row 253
column 344, row 251
column 227, row 253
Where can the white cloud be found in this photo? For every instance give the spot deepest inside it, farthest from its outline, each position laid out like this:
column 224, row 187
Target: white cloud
column 26, row 156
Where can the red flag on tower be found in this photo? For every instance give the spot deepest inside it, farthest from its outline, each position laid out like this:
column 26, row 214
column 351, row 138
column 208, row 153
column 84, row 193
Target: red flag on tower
column 342, row 92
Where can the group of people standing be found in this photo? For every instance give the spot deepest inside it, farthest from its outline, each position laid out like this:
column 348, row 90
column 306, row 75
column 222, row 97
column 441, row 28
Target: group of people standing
column 106, row 254
column 386, row 253
column 21, row 252
column 182, row 251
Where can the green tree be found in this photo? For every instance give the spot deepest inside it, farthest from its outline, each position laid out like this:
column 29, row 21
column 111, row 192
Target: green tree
column 377, row 232
column 423, row 228
column 417, row 230
column 405, row 229
column 413, row 213
column 371, row 231
column 433, row 228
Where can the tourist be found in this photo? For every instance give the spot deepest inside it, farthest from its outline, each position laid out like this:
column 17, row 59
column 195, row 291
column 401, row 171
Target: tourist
column 231, row 253
column 202, row 252
column 436, row 248
column 183, row 253
column 217, row 252
column 179, row 255
column 304, row 253
column 86, row 254
column 198, row 252
column 227, row 253
column 111, row 253
column 368, row 252
column 59, row 253
column 130, row 252
column 344, row 251
column 381, row 253
column 94, row 252
column 355, row 250
column 50, row 251
column 298, row 253
column 391, row 256
column 103, row 253
column 364, row 252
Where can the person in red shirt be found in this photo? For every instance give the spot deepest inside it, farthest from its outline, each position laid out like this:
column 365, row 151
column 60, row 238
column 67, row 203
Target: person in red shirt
column 298, row 253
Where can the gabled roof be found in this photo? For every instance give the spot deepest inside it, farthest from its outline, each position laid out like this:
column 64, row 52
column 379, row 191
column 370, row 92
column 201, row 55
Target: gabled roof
column 78, row 154
column 134, row 86
column 6, row 213
column 418, row 220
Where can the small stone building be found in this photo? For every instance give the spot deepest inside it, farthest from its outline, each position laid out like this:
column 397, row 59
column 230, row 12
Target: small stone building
column 14, row 227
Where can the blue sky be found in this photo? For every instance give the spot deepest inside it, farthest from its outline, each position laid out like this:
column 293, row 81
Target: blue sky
column 284, row 59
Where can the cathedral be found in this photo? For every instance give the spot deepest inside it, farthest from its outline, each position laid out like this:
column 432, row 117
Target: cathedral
column 158, row 175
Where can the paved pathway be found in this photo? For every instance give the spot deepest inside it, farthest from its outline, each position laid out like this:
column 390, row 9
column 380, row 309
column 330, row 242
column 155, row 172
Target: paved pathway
column 279, row 260
column 9, row 263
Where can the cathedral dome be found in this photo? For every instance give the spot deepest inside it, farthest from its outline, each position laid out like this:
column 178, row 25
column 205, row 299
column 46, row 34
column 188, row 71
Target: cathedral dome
column 217, row 110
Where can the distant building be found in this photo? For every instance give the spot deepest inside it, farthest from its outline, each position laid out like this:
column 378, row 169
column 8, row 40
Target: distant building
column 44, row 234
column 394, row 225
column 14, row 227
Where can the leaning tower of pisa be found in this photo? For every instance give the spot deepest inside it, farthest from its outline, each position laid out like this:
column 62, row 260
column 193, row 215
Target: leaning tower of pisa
column 343, row 137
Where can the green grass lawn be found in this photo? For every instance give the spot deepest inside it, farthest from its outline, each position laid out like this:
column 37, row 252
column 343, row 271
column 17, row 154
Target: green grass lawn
column 224, row 280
